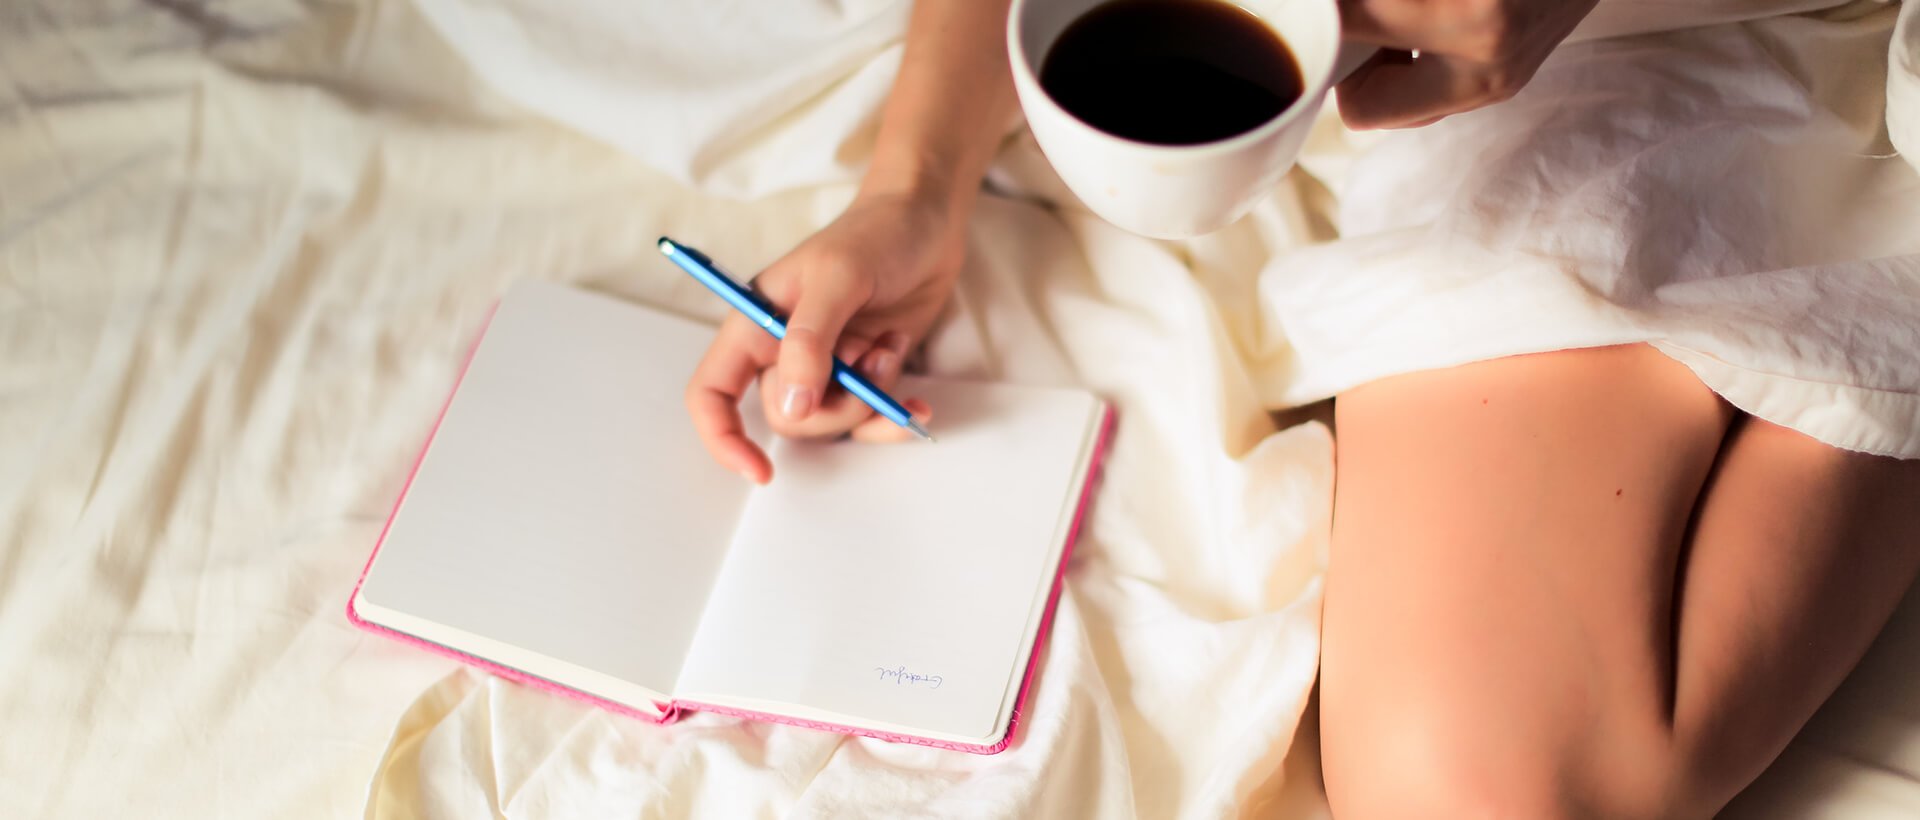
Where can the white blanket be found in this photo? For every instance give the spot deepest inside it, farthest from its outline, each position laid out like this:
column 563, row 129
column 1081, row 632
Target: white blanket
column 243, row 247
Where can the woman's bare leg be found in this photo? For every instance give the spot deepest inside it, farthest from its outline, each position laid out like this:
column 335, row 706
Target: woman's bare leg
column 1512, row 542
column 1800, row 553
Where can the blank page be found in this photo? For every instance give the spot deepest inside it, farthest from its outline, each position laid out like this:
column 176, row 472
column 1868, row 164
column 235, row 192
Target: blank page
column 900, row 584
column 565, row 513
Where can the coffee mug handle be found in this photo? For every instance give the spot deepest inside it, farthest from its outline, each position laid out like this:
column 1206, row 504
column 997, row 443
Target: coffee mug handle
column 1349, row 58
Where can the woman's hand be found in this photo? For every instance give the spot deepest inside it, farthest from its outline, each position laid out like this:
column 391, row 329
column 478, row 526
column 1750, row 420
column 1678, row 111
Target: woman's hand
column 865, row 288
column 1472, row 53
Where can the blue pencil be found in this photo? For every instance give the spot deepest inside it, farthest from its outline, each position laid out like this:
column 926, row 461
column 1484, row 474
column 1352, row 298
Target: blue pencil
column 757, row 309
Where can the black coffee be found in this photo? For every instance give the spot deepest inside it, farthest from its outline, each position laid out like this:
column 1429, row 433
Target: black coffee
column 1171, row 72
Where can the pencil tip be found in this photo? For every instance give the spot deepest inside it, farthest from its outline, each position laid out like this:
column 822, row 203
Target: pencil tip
column 917, row 430
column 666, row 245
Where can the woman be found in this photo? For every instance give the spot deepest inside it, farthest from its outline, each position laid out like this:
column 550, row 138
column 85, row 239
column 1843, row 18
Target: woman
column 1574, row 583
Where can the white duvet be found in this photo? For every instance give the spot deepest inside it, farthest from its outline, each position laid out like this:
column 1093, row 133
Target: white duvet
column 243, row 247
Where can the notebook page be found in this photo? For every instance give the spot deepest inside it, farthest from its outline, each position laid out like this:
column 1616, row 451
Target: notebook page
column 565, row 508
column 897, row 584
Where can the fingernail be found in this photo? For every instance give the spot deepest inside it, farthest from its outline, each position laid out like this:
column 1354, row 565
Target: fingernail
column 797, row 403
column 881, row 364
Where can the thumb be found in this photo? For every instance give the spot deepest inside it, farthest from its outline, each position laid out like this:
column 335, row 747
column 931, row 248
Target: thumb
column 806, row 354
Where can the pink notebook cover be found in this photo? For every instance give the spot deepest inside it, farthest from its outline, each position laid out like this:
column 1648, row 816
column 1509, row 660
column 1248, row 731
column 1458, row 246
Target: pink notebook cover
column 672, row 711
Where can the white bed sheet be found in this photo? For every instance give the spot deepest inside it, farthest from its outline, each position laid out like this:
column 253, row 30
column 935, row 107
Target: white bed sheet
column 243, row 247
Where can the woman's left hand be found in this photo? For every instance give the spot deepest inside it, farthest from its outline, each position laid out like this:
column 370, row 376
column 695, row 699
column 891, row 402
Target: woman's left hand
column 1472, row 53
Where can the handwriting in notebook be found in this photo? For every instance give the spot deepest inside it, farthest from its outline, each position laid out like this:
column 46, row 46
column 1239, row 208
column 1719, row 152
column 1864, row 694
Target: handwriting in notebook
column 901, row 677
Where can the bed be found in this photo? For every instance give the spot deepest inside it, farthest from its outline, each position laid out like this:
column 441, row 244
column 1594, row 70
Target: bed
column 243, row 247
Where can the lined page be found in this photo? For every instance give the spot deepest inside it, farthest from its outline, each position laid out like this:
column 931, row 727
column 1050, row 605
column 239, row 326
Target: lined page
column 565, row 508
column 899, row 584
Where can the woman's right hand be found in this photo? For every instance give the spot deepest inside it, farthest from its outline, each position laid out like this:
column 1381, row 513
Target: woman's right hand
column 865, row 288
column 1472, row 53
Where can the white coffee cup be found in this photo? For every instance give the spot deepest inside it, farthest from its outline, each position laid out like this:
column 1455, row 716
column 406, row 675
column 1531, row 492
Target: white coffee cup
column 1177, row 191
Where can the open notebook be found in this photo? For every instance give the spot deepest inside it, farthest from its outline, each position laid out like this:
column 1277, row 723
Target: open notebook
column 565, row 528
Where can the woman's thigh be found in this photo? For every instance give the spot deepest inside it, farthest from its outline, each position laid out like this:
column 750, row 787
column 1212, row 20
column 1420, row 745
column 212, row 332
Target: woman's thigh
column 1504, row 541
column 1501, row 613
column 1799, row 553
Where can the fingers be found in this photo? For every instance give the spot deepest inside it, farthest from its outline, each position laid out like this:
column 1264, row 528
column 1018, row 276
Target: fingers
column 881, row 430
column 1378, row 23
column 881, row 364
column 1473, row 53
column 852, row 346
column 742, row 352
column 735, row 358
column 1393, row 90
column 839, row 410
column 882, row 367
column 813, row 331
column 1479, row 30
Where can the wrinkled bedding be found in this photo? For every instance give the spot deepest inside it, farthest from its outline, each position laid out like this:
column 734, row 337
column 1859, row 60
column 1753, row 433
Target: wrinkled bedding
column 244, row 246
